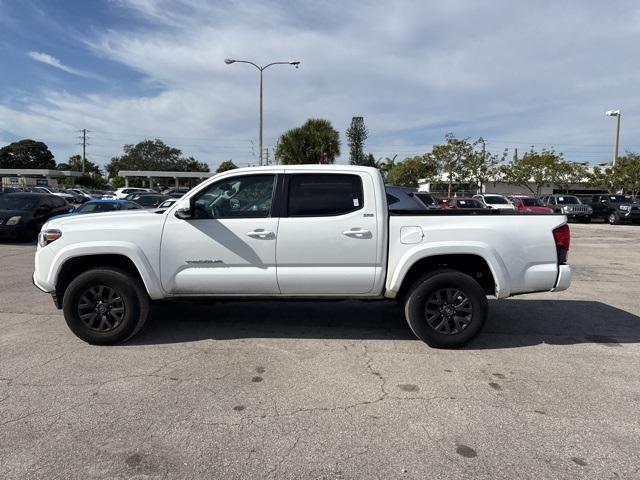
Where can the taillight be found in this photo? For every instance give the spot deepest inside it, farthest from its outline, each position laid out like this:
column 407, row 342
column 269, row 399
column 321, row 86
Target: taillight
column 562, row 237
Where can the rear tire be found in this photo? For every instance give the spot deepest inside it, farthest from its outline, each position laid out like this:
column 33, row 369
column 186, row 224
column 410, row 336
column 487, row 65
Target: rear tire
column 446, row 308
column 105, row 306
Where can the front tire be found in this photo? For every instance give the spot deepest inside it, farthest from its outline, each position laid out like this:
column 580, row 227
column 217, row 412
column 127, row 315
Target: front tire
column 105, row 306
column 613, row 218
column 446, row 308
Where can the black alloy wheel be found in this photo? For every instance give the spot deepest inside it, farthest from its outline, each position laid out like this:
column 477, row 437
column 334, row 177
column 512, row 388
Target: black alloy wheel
column 448, row 311
column 446, row 308
column 101, row 308
column 105, row 306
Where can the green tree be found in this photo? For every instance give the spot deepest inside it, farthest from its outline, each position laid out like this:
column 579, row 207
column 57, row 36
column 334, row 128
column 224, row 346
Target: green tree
column 386, row 165
column 117, row 182
column 451, row 158
column 533, row 171
column 74, row 164
column 26, row 154
column 410, row 170
column 226, row 165
column 481, row 166
column 564, row 174
column 357, row 134
column 154, row 155
column 314, row 142
column 626, row 173
column 602, row 179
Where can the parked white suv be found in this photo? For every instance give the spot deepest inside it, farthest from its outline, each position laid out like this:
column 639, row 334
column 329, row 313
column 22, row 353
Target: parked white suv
column 121, row 193
column 493, row 200
column 308, row 231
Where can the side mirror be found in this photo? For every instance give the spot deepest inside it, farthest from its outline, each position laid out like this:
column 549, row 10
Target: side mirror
column 72, row 209
column 183, row 210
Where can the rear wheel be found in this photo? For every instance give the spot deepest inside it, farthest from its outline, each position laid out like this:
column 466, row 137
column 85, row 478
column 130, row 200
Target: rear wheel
column 105, row 306
column 446, row 308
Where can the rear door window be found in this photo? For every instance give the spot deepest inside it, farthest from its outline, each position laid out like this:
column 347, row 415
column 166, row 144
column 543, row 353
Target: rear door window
column 319, row 195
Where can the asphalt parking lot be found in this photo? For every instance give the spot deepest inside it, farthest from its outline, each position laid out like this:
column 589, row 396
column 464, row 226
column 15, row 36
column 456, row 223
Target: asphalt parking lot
column 340, row 390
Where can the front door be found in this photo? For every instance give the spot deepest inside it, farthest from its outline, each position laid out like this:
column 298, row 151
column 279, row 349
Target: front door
column 229, row 245
column 328, row 238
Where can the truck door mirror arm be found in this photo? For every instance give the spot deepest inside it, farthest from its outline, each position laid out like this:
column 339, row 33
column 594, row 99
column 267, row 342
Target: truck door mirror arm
column 184, row 210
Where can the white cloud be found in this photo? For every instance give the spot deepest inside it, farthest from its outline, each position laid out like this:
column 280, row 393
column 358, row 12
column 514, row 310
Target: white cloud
column 54, row 62
column 516, row 74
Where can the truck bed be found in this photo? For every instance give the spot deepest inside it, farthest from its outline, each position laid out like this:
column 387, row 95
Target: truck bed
column 518, row 249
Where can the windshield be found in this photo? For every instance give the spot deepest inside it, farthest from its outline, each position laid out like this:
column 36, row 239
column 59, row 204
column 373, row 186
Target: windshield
column 495, row 200
column 568, row 201
column 166, row 204
column 426, row 198
column 17, row 203
column 469, row 204
column 149, row 200
column 97, row 207
column 532, row 202
column 617, row 199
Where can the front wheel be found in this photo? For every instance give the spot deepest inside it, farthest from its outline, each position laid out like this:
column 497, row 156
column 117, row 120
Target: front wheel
column 446, row 308
column 614, row 219
column 105, row 306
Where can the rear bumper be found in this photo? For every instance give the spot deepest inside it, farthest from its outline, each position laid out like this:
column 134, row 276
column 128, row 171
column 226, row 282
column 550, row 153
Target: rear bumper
column 564, row 278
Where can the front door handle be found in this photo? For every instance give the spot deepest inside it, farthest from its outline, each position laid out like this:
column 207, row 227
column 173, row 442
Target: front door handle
column 357, row 233
column 262, row 234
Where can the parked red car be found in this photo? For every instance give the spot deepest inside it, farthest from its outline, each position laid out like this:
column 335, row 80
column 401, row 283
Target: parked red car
column 526, row 204
column 462, row 202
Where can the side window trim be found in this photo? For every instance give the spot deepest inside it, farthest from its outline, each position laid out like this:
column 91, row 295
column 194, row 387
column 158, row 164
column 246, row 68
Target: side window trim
column 286, row 191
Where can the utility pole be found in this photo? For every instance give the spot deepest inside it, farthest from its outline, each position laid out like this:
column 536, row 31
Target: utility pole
column 83, row 142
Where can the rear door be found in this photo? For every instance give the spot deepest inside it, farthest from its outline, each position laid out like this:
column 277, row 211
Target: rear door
column 327, row 237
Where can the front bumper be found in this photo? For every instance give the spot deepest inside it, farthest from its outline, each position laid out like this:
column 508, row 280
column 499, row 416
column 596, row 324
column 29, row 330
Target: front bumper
column 11, row 231
column 578, row 215
column 629, row 216
column 564, row 278
column 35, row 282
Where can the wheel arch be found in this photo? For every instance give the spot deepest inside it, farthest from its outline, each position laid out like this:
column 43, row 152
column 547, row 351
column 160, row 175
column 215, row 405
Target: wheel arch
column 473, row 264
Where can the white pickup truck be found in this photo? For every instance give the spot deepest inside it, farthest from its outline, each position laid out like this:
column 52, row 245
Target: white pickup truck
column 311, row 231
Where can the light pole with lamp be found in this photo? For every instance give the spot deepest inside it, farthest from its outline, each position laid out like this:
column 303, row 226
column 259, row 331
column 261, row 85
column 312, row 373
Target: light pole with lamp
column 617, row 114
column 229, row 61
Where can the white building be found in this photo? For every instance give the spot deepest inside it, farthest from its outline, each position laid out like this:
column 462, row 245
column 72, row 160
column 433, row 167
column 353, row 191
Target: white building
column 34, row 177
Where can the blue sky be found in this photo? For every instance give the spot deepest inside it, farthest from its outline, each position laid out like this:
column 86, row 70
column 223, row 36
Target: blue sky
column 517, row 73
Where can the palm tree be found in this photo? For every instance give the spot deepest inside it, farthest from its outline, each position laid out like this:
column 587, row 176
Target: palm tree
column 314, row 142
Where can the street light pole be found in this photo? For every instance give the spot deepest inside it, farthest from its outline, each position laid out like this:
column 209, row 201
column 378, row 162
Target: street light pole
column 229, row 61
column 617, row 114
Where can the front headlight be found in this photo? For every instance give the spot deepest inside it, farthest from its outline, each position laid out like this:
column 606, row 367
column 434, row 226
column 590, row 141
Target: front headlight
column 47, row 236
column 625, row 207
column 565, row 209
column 14, row 220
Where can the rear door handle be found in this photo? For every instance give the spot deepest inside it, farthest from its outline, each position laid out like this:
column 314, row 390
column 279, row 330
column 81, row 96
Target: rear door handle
column 357, row 233
column 261, row 234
